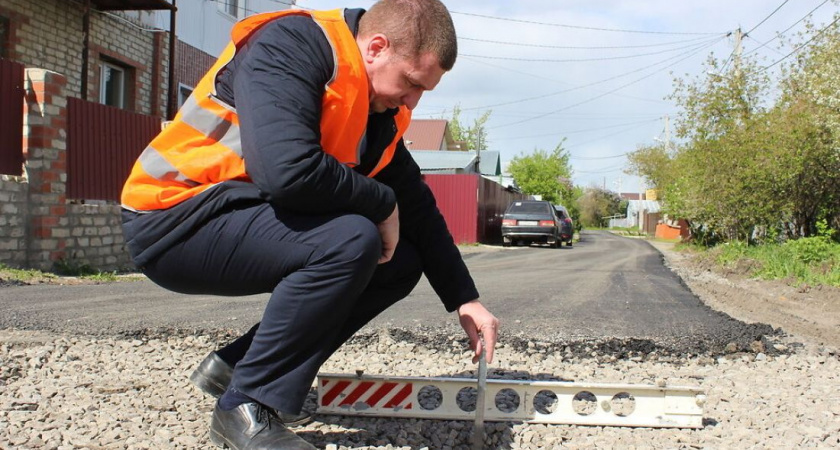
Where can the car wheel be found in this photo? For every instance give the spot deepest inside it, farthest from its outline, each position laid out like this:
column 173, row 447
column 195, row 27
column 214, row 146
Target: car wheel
column 569, row 243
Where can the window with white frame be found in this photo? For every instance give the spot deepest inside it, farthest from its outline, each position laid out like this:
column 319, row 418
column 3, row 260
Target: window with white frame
column 233, row 8
column 112, row 85
column 184, row 92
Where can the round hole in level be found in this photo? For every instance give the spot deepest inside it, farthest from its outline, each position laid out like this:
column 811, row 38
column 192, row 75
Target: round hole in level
column 623, row 404
column 429, row 397
column 467, row 398
column 507, row 400
column 545, row 402
column 584, row 403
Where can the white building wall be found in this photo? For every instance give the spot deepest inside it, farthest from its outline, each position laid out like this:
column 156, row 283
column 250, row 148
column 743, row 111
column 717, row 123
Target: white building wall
column 204, row 24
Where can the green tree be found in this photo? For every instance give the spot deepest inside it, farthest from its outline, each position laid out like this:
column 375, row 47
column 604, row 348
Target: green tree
column 809, row 126
column 714, row 178
column 472, row 137
column 749, row 166
column 595, row 204
column 651, row 163
column 543, row 173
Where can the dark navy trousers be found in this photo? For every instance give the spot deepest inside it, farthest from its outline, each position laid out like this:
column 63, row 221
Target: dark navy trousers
column 324, row 281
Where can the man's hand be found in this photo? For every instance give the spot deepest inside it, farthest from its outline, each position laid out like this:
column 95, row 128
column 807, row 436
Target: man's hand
column 476, row 319
column 389, row 229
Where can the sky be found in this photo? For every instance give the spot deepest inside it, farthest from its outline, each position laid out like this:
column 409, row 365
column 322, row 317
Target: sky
column 594, row 74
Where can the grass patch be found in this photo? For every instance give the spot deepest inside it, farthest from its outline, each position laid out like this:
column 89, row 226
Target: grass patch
column 627, row 231
column 63, row 270
column 812, row 261
column 11, row 275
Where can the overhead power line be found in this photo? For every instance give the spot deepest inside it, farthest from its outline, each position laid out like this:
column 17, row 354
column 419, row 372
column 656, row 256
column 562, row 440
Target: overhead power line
column 605, row 58
column 782, row 33
column 584, row 47
column 604, row 170
column 563, row 91
column 768, row 16
column 819, row 33
column 587, row 130
column 579, row 27
column 603, row 94
column 759, row 42
column 599, row 138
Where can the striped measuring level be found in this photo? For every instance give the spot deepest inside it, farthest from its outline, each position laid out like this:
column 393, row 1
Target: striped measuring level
column 506, row 400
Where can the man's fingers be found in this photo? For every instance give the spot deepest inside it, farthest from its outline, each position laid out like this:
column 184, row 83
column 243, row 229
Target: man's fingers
column 472, row 333
column 488, row 333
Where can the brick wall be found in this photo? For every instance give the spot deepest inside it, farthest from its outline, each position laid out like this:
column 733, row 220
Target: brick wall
column 13, row 192
column 192, row 63
column 49, row 34
column 38, row 227
column 95, row 237
column 45, row 152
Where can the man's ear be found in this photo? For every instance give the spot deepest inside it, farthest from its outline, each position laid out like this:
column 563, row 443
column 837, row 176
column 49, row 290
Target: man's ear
column 375, row 46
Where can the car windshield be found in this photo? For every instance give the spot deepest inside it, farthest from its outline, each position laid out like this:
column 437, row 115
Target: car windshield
column 527, row 208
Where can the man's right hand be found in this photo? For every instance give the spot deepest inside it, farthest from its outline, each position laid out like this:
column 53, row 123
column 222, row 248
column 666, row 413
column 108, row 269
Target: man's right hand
column 389, row 229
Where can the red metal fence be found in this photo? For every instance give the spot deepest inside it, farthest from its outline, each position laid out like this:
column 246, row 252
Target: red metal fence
column 11, row 117
column 456, row 197
column 472, row 206
column 102, row 144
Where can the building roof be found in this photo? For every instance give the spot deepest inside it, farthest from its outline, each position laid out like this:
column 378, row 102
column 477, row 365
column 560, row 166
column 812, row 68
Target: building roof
column 123, row 5
column 634, row 206
column 631, row 195
column 490, row 163
column 426, row 134
column 433, row 160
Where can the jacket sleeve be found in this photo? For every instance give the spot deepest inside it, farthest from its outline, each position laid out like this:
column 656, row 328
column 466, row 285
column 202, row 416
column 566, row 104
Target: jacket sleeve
column 278, row 87
column 422, row 224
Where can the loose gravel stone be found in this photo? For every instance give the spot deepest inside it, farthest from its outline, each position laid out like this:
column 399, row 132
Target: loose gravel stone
column 83, row 392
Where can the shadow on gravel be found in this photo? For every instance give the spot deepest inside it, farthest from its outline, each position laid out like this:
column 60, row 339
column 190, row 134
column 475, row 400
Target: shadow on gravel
column 413, row 433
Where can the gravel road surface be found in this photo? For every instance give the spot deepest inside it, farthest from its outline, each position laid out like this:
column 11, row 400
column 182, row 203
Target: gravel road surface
column 128, row 387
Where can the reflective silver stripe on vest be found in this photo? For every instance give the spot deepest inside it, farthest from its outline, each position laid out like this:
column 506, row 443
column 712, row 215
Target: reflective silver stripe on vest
column 211, row 125
column 156, row 166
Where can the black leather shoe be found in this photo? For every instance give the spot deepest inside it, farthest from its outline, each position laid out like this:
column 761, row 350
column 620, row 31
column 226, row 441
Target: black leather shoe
column 213, row 377
column 252, row 426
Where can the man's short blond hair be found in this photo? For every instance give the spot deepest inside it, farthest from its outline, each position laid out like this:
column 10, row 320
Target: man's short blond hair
column 414, row 27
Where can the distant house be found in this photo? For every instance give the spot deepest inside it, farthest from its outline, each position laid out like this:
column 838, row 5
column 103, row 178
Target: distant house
column 203, row 31
column 124, row 60
column 431, row 134
column 433, row 148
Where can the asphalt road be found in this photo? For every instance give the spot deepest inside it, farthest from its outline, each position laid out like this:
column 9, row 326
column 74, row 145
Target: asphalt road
column 609, row 289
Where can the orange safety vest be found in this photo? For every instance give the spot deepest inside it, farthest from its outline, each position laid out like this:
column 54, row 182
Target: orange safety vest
column 202, row 147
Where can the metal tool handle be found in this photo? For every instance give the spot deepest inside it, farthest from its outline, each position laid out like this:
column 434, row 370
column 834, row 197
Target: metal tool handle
column 478, row 428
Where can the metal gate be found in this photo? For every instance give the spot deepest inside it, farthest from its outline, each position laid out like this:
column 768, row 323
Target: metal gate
column 11, row 117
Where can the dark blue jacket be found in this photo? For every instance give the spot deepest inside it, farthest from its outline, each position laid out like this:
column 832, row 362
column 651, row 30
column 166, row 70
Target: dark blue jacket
column 276, row 82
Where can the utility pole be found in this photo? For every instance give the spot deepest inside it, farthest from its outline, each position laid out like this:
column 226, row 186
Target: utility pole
column 478, row 153
column 667, row 134
column 736, row 54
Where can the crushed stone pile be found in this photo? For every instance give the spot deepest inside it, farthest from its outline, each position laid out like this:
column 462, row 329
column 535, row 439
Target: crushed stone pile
column 72, row 392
